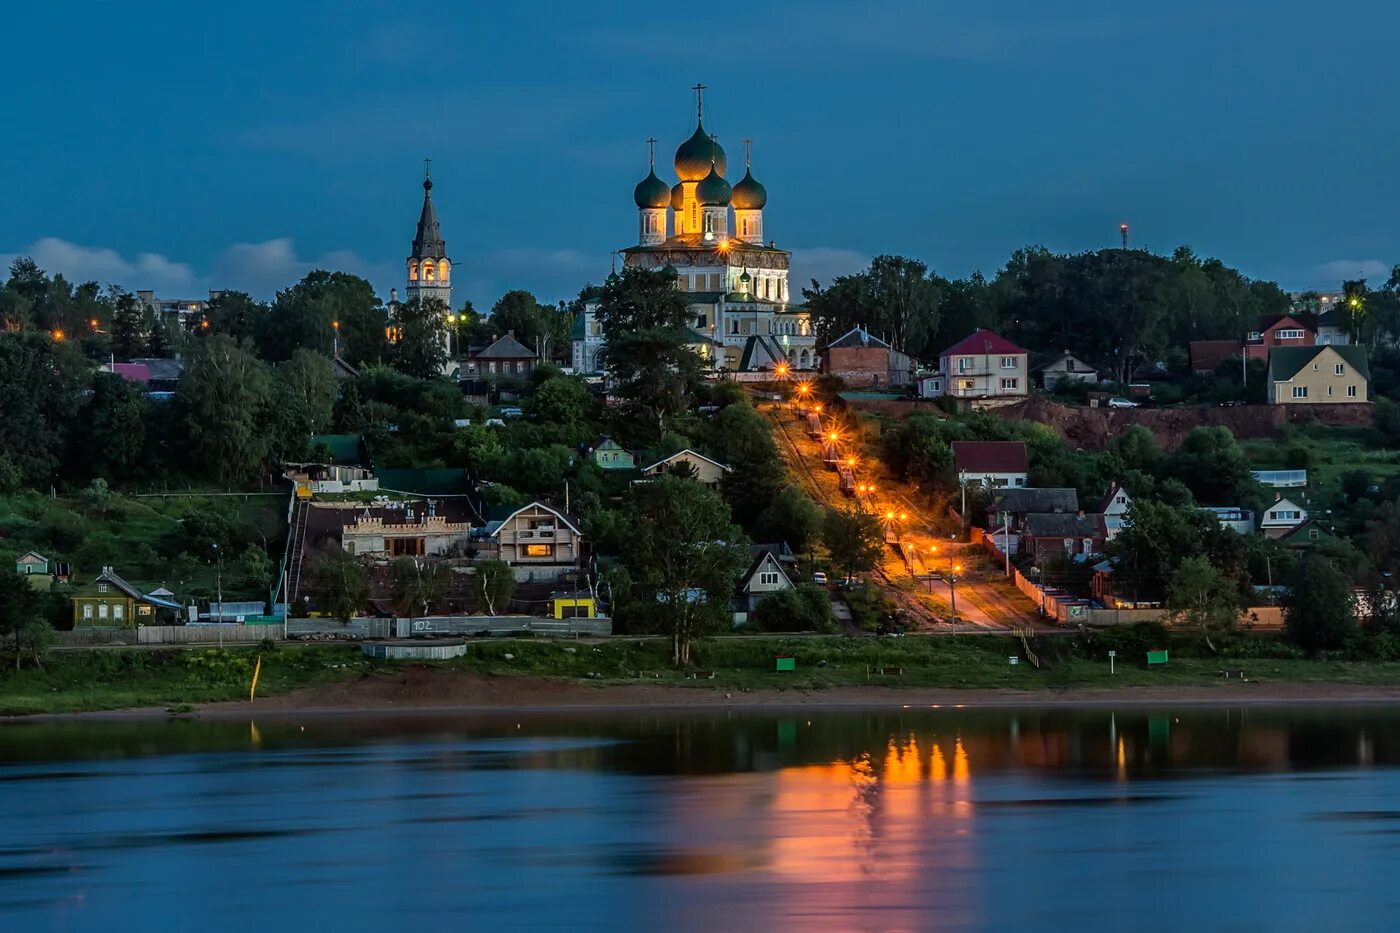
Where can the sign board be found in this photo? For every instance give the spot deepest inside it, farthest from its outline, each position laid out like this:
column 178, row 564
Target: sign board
column 1113, row 654
column 1079, row 612
column 1014, row 660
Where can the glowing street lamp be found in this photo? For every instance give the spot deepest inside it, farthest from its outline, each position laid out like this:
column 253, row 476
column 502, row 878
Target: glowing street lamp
column 58, row 335
column 953, row 588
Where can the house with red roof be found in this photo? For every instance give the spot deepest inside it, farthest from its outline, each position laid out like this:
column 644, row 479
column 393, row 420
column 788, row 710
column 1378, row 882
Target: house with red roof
column 991, row 463
column 982, row 365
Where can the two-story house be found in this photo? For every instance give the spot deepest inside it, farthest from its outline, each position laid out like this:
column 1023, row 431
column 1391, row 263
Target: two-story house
column 764, row 576
column 1281, row 517
column 541, row 543
column 1113, row 510
column 981, row 365
column 504, row 357
column 1280, row 330
column 1318, row 375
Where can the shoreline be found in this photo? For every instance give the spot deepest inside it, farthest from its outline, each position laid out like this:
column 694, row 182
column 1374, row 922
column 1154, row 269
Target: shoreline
column 533, row 696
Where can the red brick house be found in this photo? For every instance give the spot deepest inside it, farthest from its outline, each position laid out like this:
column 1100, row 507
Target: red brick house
column 1280, row 330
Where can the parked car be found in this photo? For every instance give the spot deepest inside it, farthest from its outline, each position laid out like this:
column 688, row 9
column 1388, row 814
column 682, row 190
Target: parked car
column 1119, row 402
column 495, row 423
column 512, row 412
column 819, row 578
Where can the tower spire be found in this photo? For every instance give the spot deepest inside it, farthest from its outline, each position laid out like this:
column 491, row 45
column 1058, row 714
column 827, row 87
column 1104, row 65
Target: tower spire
column 699, row 90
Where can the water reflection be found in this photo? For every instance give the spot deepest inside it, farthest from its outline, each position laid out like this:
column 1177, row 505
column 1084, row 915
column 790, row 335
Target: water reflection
column 907, row 820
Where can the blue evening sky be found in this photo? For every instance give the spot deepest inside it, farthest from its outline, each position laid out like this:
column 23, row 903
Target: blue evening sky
column 187, row 145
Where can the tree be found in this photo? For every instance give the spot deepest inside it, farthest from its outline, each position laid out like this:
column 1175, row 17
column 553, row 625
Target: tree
column 235, row 314
column 1200, row 596
column 1154, row 540
column 743, row 441
column 495, row 585
column 20, row 607
column 341, row 583
column 538, row 326
column 854, row 539
column 1211, row 462
column 223, row 400
column 565, row 401
column 804, row 608
column 126, row 327
column 418, row 584
column 1320, row 614
column 417, row 345
column 304, row 390
column 41, row 381
column 683, row 553
column 790, row 517
column 257, row 566
column 114, row 442
column 304, row 315
column 649, row 362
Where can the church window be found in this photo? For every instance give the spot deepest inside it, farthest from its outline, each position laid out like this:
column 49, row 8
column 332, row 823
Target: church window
column 413, row 271
column 444, row 270
column 429, row 271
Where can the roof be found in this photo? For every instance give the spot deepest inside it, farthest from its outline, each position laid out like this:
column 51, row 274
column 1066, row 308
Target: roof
column 680, row 453
column 131, row 372
column 1114, row 489
column 1062, row 525
column 25, row 558
column 1305, row 319
column 108, row 575
column 858, row 338
column 505, row 348
column 1025, row 500
column 1069, row 357
column 990, row 457
column 537, row 505
column 160, row 368
column 428, row 242
column 766, row 557
column 1298, row 533
column 982, row 341
column 578, row 330
column 1206, row 355
column 1286, row 362
column 343, row 370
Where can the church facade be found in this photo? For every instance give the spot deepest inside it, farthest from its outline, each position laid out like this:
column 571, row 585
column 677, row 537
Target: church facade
column 709, row 235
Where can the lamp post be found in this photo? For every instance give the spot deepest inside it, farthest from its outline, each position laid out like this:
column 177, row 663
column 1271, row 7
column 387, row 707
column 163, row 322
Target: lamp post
column 953, row 588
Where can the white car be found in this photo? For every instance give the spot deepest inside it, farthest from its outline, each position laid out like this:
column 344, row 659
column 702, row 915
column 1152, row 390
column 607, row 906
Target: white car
column 819, row 578
column 495, row 423
column 1120, row 402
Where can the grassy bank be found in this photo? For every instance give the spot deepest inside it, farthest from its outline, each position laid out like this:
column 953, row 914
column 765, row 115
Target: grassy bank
column 74, row 681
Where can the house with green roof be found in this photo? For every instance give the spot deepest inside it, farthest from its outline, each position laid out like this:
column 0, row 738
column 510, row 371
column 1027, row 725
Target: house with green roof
column 1325, row 374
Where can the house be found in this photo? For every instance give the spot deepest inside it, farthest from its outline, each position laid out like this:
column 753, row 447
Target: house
column 1272, row 331
column 1233, row 518
column 504, row 356
column 1306, row 534
column 154, row 374
column 342, row 370
column 1207, row 355
column 991, row 463
column 859, row 358
column 1281, row 517
column 1066, row 368
column 1015, row 503
column 110, row 600
column 1332, row 326
column 985, row 365
column 573, row 605
column 388, row 528
column 1113, row 509
column 1076, row 536
column 930, row 386
column 608, row 454
column 540, row 542
column 1318, row 375
column 706, row 471
column 32, row 564
column 764, row 576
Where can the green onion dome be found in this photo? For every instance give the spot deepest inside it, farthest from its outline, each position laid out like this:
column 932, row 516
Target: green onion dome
column 749, row 195
column 651, row 192
column 697, row 154
column 713, row 191
column 678, row 196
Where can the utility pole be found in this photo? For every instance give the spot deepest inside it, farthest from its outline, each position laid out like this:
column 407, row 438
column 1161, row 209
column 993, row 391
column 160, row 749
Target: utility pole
column 1123, row 229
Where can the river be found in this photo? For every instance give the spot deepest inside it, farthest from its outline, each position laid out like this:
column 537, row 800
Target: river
column 1199, row 818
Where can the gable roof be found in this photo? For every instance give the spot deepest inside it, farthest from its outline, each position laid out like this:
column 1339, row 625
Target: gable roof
column 990, row 457
column 25, row 558
column 604, row 442
column 858, row 338
column 1062, row 525
column 693, row 454
column 1067, row 357
column 761, row 352
column 982, row 341
column 767, row 557
column 108, row 575
column 1304, row 319
column 1025, row 500
column 343, row 370
column 536, row 505
column 1298, row 533
column 1287, row 362
column 505, row 348
column 1114, row 488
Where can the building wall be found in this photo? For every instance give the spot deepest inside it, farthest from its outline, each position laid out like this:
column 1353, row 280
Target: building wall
column 707, row 473
column 995, row 480
column 983, row 374
column 517, row 538
column 1320, row 378
column 867, row 366
column 111, row 608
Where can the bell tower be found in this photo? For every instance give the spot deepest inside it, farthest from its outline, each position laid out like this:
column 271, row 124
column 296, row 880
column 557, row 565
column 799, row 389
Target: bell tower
column 429, row 269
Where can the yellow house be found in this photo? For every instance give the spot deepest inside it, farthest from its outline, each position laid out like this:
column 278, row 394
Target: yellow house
column 110, row 600
column 706, row 471
column 1327, row 374
column 574, row 606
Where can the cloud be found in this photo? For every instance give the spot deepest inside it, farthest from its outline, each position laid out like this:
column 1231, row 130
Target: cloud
column 822, row 263
column 257, row 268
column 1330, row 275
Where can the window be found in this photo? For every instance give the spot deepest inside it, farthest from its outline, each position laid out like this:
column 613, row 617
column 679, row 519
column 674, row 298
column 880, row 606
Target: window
column 1254, row 335
column 407, row 547
column 714, row 281
column 101, row 587
column 964, row 363
column 1009, row 383
column 1289, row 334
column 1340, row 369
column 539, row 550
column 118, row 612
column 967, row 385
column 1121, row 500
column 87, row 611
column 1300, row 391
column 768, row 578
column 1351, row 391
column 1020, row 481
column 102, row 610
column 1312, row 534
column 1008, row 362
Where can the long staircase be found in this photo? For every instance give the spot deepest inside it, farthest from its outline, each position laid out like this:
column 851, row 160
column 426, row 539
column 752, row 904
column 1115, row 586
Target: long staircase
column 296, row 540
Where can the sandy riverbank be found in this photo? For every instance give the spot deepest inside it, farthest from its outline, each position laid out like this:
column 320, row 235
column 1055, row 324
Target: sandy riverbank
column 427, row 689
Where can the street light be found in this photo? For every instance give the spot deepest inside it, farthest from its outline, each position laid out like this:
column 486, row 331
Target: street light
column 953, row 588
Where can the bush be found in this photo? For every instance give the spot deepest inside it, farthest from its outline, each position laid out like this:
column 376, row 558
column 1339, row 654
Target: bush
column 805, row 608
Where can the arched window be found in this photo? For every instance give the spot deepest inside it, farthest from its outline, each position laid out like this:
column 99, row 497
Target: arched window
column 413, row 271
column 429, row 271
column 444, row 270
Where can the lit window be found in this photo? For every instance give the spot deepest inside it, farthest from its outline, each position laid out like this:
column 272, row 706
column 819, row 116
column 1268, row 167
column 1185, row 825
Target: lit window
column 1290, row 334
column 118, row 612
column 102, row 610
column 539, row 550
column 87, row 611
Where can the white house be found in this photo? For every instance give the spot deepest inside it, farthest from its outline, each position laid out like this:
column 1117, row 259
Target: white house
column 1281, row 517
column 706, row 471
column 1114, row 509
column 991, row 463
column 984, row 365
column 764, row 577
column 1066, row 368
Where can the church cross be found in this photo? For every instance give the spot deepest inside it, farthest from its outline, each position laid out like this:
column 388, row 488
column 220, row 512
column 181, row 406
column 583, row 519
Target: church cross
column 426, row 164
column 651, row 151
column 748, row 151
column 699, row 90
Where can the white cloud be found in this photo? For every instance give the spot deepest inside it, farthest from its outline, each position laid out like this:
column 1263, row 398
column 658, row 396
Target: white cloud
column 107, row 266
column 822, row 263
column 1329, row 276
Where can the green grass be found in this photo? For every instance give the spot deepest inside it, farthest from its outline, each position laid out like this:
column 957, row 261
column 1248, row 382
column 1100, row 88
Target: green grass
column 1332, row 451
column 74, row 681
